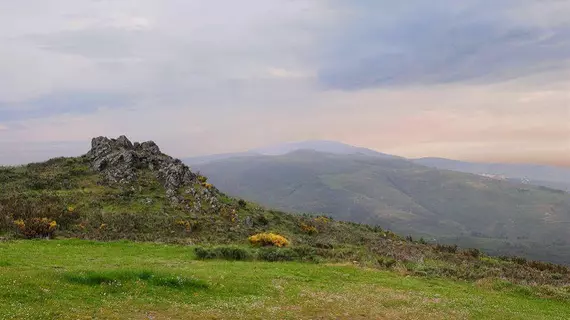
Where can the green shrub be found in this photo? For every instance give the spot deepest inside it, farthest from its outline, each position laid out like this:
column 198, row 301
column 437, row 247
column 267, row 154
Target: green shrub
column 324, row 244
column 233, row 253
column 386, row 262
column 223, row 252
column 205, row 253
column 307, row 253
column 276, row 254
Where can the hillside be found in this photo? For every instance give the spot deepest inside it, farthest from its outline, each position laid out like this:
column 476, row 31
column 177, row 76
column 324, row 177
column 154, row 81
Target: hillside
column 206, row 259
column 500, row 217
column 548, row 176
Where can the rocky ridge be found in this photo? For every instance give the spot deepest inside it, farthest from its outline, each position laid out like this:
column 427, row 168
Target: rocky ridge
column 119, row 160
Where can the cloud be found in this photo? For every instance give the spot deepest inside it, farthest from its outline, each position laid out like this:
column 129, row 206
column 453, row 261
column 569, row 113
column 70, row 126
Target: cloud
column 61, row 103
column 215, row 76
column 382, row 43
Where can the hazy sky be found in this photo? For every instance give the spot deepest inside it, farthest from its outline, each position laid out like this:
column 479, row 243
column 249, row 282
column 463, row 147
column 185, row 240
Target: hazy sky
column 471, row 79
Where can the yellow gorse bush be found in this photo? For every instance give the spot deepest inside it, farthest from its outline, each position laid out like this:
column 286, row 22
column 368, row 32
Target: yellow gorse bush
column 268, row 239
column 36, row 227
column 309, row 229
column 322, row 219
column 185, row 224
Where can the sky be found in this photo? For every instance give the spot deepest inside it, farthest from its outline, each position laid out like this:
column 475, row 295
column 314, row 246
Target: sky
column 482, row 80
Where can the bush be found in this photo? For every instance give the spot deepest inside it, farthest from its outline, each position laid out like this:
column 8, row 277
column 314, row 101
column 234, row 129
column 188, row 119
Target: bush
column 311, row 230
column 36, row 227
column 324, row 244
column 205, row 253
column 307, row 253
column 277, row 254
column 242, row 203
column 233, row 253
column 386, row 262
column 268, row 239
column 446, row 248
column 223, row 252
column 475, row 253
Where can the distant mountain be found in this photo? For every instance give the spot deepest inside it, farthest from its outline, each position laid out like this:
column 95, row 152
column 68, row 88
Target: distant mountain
column 191, row 161
column 499, row 216
column 548, row 176
column 320, row 146
column 284, row 148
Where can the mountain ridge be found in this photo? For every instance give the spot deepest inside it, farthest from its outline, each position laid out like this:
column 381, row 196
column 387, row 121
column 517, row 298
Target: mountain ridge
column 406, row 197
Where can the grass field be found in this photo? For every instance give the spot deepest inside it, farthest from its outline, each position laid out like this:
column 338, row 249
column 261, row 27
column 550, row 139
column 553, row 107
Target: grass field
column 75, row 279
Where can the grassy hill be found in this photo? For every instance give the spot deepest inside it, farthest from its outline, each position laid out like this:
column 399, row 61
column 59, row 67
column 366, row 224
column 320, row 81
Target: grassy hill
column 500, row 217
column 71, row 279
column 203, row 260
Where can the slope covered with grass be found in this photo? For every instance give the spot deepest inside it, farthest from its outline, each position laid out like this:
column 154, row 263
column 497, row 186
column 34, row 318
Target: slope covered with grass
column 74, row 279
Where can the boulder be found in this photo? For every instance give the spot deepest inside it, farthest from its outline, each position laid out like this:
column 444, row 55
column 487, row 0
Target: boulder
column 119, row 160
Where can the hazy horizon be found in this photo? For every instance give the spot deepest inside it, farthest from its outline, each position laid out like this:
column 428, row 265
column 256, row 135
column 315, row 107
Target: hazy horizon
column 475, row 80
column 86, row 146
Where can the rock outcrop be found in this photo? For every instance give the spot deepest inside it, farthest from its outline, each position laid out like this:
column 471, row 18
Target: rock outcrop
column 119, row 160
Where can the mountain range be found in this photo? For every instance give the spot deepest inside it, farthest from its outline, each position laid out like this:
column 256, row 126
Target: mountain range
column 498, row 210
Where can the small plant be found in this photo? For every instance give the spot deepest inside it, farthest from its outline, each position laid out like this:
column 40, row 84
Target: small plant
column 309, row 229
column 277, row 254
column 475, row 253
column 322, row 219
column 268, row 239
column 223, row 252
column 36, row 227
column 185, row 224
column 386, row 262
column 202, row 179
column 241, row 203
column 446, row 248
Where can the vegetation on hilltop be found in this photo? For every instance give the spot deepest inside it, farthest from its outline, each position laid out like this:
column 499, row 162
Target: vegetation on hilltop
column 84, row 203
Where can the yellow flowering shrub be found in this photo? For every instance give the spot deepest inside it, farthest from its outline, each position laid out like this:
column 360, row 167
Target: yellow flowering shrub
column 308, row 228
column 322, row 219
column 185, row 224
column 268, row 239
column 36, row 227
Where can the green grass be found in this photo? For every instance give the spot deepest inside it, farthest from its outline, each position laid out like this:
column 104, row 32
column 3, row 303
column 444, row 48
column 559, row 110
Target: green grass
column 76, row 279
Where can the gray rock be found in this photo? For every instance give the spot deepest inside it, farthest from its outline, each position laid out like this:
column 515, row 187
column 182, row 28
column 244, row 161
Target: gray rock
column 118, row 161
column 248, row 222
